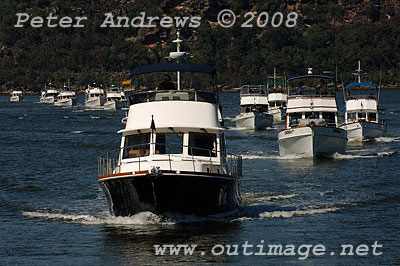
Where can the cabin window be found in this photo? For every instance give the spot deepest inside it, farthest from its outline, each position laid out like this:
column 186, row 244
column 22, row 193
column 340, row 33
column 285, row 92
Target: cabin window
column 272, row 104
column 362, row 115
column 294, row 119
column 351, row 116
column 311, row 115
column 137, row 146
column 329, row 117
column 202, row 144
column 372, row 116
column 222, row 142
column 169, row 143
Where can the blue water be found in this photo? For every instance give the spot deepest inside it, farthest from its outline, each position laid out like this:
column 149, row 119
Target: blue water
column 53, row 211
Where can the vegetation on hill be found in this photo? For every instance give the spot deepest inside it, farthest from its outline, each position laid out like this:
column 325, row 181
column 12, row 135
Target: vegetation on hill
column 329, row 36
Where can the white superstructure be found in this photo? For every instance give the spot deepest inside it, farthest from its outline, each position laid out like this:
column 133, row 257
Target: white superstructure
column 115, row 98
column 311, row 128
column 66, row 97
column 94, row 96
column 16, row 96
column 362, row 120
column 253, row 108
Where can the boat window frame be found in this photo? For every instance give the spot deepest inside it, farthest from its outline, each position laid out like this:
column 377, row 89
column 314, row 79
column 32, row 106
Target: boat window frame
column 329, row 122
column 143, row 149
column 202, row 151
column 290, row 123
column 157, row 144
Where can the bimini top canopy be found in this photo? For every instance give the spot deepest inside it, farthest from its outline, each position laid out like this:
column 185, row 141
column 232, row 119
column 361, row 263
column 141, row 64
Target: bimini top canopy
column 361, row 84
column 172, row 67
column 310, row 76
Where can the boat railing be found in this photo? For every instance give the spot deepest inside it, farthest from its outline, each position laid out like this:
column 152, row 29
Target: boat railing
column 227, row 164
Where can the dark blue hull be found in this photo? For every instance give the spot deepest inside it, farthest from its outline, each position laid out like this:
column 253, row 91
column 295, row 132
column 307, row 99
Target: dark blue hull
column 187, row 193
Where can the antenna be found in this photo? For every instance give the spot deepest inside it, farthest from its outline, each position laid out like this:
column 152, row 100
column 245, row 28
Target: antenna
column 359, row 73
column 178, row 55
column 274, row 77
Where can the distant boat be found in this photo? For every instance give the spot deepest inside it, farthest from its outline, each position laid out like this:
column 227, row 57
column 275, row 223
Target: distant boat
column 173, row 156
column 16, row 96
column 115, row 98
column 67, row 97
column 311, row 128
column 254, row 108
column 94, row 96
column 48, row 94
column 277, row 99
column 362, row 120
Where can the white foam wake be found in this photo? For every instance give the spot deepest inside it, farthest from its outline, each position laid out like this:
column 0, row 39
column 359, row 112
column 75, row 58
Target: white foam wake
column 143, row 218
column 290, row 214
column 257, row 199
column 339, row 156
column 387, row 153
column 76, row 132
column 387, row 139
column 273, row 157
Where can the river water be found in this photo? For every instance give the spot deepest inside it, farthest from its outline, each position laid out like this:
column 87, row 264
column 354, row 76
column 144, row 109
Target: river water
column 54, row 212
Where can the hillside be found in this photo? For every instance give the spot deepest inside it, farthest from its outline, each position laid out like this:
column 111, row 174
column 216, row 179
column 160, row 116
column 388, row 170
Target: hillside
column 327, row 35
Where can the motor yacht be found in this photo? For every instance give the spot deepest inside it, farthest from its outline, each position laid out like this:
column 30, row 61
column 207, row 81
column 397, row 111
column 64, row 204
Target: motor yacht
column 94, row 96
column 16, row 96
column 362, row 121
column 115, row 98
column 312, row 126
column 253, row 108
column 66, row 97
column 48, row 94
column 277, row 98
column 172, row 156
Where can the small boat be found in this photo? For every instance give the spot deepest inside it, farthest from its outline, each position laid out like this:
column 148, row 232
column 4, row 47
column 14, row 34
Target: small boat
column 94, row 96
column 253, row 108
column 48, row 94
column 311, row 128
column 362, row 120
column 173, row 154
column 277, row 99
column 115, row 98
column 67, row 97
column 16, row 96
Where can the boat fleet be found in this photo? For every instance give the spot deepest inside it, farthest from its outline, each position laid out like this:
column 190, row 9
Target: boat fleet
column 113, row 98
column 172, row 155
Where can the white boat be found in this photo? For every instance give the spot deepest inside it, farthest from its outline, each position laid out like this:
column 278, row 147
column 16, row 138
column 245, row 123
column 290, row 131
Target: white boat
column 94, row 96
column 16, row 96
column 172, row 156
column 277, row 99
column 66, row 98
column 115, row 98
column 48, row 94
column 311, row 128
column 362, row 120
column 253, row 108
